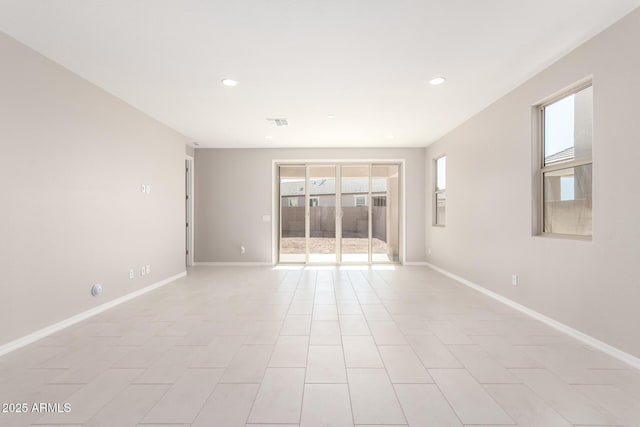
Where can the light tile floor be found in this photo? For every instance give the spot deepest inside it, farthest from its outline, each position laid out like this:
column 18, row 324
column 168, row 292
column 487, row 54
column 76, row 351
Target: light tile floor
column 394, row 346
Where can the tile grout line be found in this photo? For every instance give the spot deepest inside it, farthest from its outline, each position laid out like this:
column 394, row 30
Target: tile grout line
column 434, row 381
column 274, row 347
column 304, row 379
column 395, row 393
column 463, row 368
column 344, row 357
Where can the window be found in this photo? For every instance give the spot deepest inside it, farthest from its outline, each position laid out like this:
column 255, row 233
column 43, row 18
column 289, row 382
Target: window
column 379, row 201
column 360, row 200
column 566, row 167
column 440, row 198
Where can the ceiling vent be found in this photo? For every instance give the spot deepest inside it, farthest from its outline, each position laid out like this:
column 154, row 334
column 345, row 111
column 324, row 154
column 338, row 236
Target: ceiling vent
column 278, row 122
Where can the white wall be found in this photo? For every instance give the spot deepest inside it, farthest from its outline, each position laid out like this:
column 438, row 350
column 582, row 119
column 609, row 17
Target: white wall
column 72, row 162
column 592, row 286
column 233, row 190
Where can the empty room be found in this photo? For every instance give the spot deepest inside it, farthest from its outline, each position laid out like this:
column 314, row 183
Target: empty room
column 305, row 213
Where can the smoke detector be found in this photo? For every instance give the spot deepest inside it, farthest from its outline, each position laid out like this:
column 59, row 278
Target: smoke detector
column 278, row 122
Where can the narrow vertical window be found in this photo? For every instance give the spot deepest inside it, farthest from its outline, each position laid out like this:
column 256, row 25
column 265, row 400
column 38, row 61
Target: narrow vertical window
column 566, row 169
column 440, row 195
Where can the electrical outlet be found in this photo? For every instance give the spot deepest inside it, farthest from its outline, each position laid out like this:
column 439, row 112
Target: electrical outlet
column 143, row 271
column 514, row 279
column 148, row 189
column 148, row 269
column 242, row 250
column 143, row 188
column 131, row 273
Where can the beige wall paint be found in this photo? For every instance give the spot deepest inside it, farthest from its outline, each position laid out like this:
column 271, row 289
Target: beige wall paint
column 189, row 150
column 591, row 286
column 72, row 162
column 233, row 190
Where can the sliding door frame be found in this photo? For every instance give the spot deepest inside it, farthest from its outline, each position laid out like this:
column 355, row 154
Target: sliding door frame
column 276, row 208
column 369, row 213
column 189, row 211
column 307, row 212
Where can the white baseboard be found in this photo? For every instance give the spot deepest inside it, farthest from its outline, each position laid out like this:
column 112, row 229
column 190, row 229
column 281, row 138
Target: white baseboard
column 423, row 263
column 35, row 336
column 230, row 264
column 580, row 336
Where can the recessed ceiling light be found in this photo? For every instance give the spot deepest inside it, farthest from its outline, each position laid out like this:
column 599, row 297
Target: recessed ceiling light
column 268, row 137
column 437, row 80
column 229, row 82
column 331, row 116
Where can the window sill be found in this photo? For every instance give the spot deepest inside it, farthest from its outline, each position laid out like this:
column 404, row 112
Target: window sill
column 565, row 237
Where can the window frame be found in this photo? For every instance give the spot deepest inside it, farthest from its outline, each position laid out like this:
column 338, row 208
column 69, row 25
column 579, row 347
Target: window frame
column 543, row 169
column 437, row 191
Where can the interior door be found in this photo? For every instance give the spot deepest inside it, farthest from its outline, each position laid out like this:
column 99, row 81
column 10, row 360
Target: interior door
column 188, row 213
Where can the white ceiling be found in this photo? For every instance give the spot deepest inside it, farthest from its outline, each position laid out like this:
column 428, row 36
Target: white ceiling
column 366, row 61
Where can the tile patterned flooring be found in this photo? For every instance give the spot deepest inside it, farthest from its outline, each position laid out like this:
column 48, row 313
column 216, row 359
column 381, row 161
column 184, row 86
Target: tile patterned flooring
column 263, row 347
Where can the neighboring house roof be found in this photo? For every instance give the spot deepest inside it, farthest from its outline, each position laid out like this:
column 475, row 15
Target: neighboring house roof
column 328, row 186
column 561, row 156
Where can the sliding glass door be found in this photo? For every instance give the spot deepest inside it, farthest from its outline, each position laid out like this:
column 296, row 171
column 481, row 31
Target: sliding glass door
column 356, row 215
column 322, row 214
column 293, row 242
column 339, row 213
column 385, row 202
